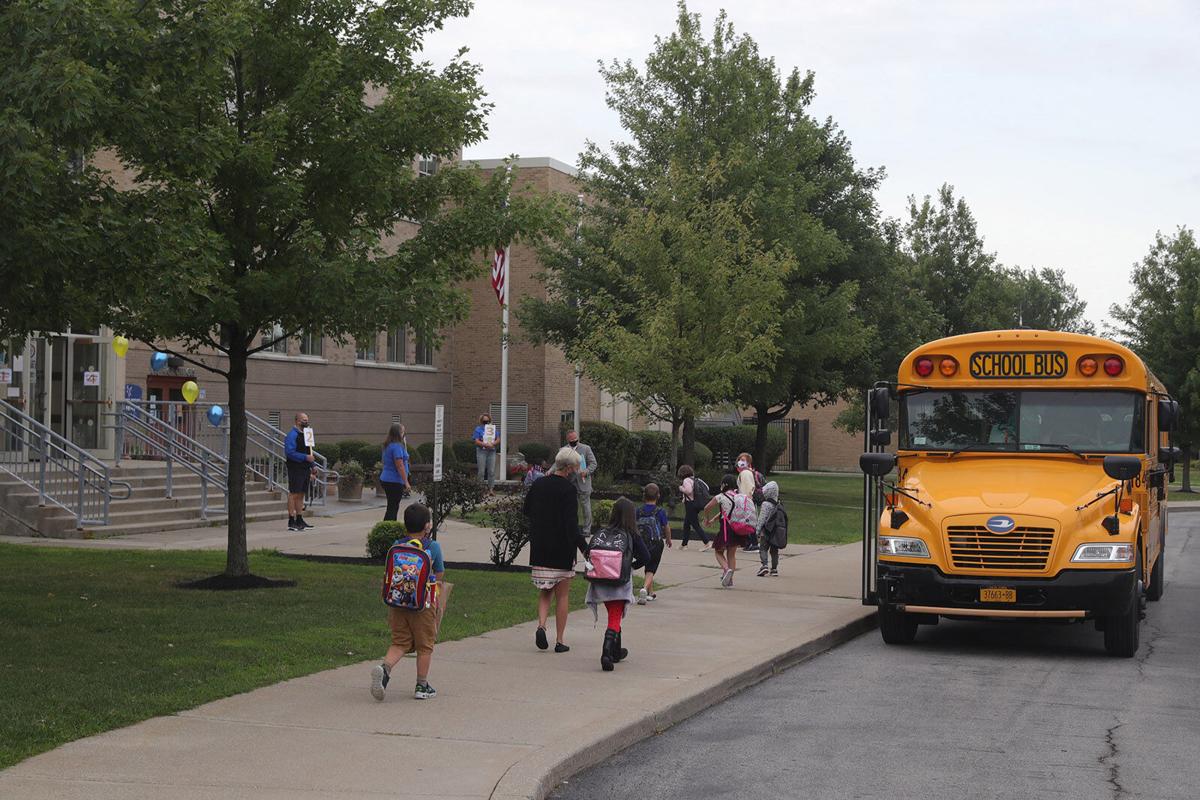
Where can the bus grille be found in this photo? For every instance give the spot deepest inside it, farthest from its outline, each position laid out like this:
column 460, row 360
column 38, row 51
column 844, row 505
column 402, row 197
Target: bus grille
column 975, row 547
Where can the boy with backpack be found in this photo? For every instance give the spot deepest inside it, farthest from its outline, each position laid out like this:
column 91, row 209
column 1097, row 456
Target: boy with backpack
column 655, row 529
column 771, row 529
column 410, row 590
column 696, row 495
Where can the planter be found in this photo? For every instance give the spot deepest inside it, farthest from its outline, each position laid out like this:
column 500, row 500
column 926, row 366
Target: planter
column 350, row 490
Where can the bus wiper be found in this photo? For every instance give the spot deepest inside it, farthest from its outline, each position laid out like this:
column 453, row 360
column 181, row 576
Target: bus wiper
column 1063, row 447
column 971, row 448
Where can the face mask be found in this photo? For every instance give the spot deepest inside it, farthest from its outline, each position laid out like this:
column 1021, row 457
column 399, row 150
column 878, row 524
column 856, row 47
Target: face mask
column 487, row 422
column 303, row 425
column 572, row 444
column 742, row 465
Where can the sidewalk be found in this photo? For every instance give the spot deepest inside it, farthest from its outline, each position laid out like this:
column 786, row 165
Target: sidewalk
column 509, row 721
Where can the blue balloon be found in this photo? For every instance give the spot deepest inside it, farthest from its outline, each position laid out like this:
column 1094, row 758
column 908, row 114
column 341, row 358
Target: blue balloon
column 158, row 361
column 215, row 415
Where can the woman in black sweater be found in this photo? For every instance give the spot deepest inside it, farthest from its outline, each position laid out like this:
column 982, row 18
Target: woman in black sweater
column 554, row 536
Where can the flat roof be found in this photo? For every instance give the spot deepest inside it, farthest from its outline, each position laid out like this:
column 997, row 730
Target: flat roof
column 539, row 161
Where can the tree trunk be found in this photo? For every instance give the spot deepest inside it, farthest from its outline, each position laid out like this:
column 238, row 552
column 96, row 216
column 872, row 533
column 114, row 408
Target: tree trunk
column 673, row 461
column 1187, row 468
column 763, row 422
column 687, row 453
column 236, row 562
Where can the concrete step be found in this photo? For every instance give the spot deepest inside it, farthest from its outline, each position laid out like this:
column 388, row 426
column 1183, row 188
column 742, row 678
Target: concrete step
column 214, row 521
column 181, row 501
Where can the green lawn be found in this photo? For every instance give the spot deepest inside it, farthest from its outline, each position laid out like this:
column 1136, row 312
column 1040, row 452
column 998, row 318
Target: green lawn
column 822, row 509
column 93, row 640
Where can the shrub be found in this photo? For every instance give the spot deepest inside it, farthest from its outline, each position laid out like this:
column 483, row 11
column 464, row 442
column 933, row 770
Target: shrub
column 702, row 455
column 464, row 451
column 381, row 537
column 510, row 531
column 368, row 454
column 609, row 442
column 537, row 452
column 352, row 449
column 349, row 469
column 332, row 452
column 602, row 511
column 456, row 489
column 648, row 450
column 423, row 454
column 729, row 440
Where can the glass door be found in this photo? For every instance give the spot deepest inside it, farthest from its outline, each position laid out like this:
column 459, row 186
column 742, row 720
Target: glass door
column 84, row 392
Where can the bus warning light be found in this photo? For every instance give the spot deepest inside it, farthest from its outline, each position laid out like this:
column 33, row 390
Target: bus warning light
column 948, row 366
column 1088, row 366
column 924, row 366
column 1113, row 366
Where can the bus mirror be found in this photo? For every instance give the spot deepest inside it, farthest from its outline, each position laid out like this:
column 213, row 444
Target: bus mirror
column 1169, row 456
column 877, row 464
column 881, row 437
column 881, row 403
column 1122, row 468
column 1168, row 415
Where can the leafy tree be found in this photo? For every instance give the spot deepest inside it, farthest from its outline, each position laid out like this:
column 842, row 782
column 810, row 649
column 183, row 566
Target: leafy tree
column 1043, row 299
column 686, row 301
column 272, row 150
column 1161, row 322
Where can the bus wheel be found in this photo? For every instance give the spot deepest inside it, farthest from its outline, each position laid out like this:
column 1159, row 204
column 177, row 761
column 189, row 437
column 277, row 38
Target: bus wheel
column 896, row 627
column 1121, row 630
column 1155, row 590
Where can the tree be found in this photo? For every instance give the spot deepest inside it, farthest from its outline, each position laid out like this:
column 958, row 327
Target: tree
column 272, row 150
column 1161, row 322
column 1044, row 300
column 685, row 304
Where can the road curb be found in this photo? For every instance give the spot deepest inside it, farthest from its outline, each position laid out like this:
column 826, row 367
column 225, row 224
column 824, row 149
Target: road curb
column 536, row 777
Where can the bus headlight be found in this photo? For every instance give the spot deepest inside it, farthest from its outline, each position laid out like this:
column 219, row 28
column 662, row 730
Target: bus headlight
column 902, row 546
column 1104, row 552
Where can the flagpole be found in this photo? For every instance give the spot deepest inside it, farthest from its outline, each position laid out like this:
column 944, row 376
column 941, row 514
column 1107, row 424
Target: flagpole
column 576, row 422
column 503, row 465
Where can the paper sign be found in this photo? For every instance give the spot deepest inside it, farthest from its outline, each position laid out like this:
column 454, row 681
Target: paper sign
column 439, row 421
column 91, row 379
column 14, row 391
column 203, row 393
column 310, row 438
column 5, row 376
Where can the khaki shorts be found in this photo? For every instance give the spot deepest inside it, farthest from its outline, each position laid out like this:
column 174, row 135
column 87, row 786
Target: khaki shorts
column 413, row 630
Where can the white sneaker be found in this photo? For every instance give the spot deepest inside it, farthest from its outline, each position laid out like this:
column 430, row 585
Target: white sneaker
column 641, row 598
column 379, row 680
column 727, row 578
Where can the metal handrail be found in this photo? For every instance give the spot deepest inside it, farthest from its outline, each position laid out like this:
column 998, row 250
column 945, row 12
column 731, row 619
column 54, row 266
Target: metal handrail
column 318, row 490
column 63, row 473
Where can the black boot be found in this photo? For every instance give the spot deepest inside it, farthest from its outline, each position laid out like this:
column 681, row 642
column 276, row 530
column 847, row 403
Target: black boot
column 606, row 654
column 618, row 653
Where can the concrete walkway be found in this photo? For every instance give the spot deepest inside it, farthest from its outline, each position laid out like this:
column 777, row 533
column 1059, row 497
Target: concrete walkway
column 509, row 721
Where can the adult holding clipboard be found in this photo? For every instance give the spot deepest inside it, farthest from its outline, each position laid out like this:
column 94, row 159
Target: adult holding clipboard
column 487, row 437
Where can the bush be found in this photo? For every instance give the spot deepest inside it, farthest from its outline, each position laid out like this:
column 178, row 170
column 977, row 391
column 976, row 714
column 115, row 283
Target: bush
column 537, row 452
column 602, row 511
column 423, row 454
column 609, row 442
column 648, row 450
column 464, row 451
column 510, row 531
column 381, row 537
column 703, row 456
column 728, row 440
column 331, row 451
column 350, row 469
column 456, row 489
column 368, row 454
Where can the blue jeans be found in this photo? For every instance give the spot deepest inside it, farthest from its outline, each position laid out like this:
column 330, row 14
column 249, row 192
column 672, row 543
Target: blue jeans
column 485, row 462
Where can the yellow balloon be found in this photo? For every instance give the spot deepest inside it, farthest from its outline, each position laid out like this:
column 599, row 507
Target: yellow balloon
column 190, row 391
column 120, row 346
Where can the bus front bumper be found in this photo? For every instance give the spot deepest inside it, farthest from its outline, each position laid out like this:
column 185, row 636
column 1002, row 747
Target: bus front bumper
column 1070, row 594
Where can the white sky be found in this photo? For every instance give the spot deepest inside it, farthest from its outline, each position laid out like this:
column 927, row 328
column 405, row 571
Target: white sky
column 1069, row 127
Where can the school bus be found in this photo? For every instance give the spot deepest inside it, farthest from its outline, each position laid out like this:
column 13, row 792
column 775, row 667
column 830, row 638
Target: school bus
column 1028, row 481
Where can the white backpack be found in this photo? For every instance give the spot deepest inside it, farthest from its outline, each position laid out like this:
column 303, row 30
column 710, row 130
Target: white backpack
column 741, row 518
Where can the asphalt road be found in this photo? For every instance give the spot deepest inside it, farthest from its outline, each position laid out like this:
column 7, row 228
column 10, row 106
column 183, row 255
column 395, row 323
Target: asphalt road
column 971, row 710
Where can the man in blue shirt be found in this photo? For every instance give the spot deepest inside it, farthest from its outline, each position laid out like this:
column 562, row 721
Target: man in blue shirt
column 300, row 468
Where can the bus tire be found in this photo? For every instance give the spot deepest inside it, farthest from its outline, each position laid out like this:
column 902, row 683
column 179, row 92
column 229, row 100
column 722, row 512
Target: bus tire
column 1121, row 630
column 1155, row 590
column 896, row 627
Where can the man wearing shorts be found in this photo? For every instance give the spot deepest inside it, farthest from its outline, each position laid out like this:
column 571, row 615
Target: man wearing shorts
column 299, row 468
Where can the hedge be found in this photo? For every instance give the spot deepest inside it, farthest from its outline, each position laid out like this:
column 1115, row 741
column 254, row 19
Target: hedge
column 464, row 451
column 423, row 454
column 381, row 537
column 703, row 456
column 727, row 441
column 610, row 443
column 537, row 452
column 648, row 450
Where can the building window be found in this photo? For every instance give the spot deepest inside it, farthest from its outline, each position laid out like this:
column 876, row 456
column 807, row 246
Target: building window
column 397, row 344
column 366, row 349
column 427, row 165
column 566, row 420
column 425, row 352
column 275, row 335
column 518, row 417
column 311, row 344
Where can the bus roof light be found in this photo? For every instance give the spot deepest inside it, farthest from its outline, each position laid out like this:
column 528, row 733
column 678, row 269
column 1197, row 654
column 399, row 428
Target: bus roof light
column 1113, row 366
column 948, row 366
column 1088, row 366
column 924, row 366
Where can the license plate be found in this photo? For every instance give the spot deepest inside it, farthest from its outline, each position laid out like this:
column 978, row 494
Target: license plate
column 997, row 594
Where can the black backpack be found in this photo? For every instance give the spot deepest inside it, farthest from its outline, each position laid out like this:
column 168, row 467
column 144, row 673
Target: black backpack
column 612, row 540
column 701, row 494
column 759, row 483
column 776, row 528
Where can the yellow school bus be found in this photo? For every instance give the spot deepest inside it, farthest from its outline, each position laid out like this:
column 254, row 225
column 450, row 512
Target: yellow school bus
column 1029, row 481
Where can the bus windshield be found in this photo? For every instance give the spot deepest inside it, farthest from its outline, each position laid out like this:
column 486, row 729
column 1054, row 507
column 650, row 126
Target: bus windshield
column 1023, row 421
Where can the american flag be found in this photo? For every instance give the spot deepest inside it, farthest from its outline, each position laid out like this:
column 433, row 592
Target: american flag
column 499, row 273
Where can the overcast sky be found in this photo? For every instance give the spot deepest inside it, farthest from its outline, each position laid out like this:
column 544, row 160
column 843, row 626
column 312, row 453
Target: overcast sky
column 1071, row 128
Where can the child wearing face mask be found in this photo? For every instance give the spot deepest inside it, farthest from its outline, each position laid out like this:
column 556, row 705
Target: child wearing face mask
column 749, row 482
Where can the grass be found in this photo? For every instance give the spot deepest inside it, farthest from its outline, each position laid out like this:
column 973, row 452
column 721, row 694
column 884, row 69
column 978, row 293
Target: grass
column 95, row 640
column 822, row 509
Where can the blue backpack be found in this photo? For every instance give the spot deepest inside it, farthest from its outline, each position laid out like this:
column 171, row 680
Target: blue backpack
column 648, row 526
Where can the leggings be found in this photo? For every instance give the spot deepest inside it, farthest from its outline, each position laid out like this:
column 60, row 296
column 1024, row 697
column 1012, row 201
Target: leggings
column 691, row 523
column 394, row 491
column 616, row 610
column 764, row 549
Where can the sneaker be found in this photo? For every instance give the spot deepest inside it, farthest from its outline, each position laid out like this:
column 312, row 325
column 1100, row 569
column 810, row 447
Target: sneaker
column 539, row 639
column 683, row 546
column 650, row 598
column 424, row 691
column 559, row 647
column 379, row 680
column 641, row 598
column 762, row 572
column 727, row 578
column 774, row 573
column 706, row 548
column 292, row 524
column 302, row 525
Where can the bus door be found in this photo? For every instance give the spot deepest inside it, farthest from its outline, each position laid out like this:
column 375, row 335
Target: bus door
column 876, row 437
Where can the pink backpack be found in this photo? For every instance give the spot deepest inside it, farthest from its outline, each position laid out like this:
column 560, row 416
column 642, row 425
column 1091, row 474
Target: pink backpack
column 741, row 517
